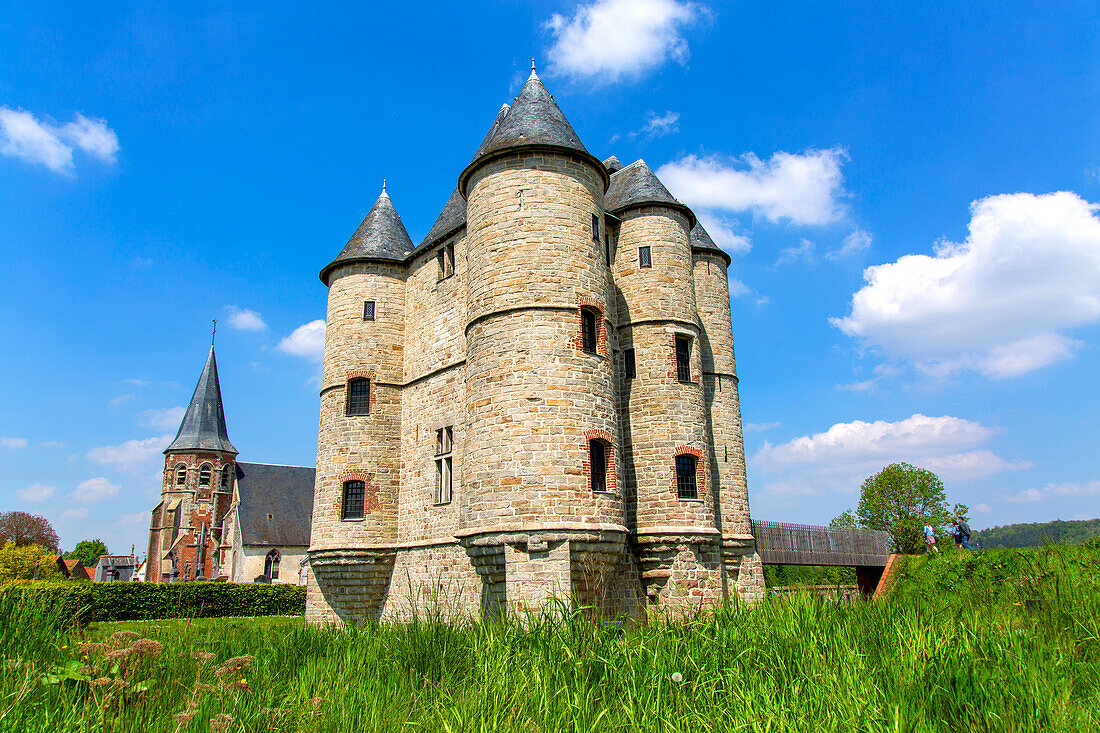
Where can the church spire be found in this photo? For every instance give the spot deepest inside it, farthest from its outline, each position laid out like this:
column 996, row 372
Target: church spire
column 203, row 426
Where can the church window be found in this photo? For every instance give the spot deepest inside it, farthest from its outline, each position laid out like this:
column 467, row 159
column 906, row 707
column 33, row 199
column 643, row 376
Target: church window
column 446, row 260
column 686, row 488
column 597, row 461
column 204, row 474
column 358, row 397
column 181, row 475
column 225, row 478
column 683, row 358
column 368, row 310
column 271, row 565
column 595, row 228
column 354, row 493
column 589, row 330
column 444, row 467
column 645, row 258
column 629, row 365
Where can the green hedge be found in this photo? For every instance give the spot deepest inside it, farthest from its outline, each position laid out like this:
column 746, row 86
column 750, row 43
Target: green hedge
column 121, row 601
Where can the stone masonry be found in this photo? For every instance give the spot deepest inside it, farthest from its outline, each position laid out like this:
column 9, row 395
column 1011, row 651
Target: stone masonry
column 538, row 401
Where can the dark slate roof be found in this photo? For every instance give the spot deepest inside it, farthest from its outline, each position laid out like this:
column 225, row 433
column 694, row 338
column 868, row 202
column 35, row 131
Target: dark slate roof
column 637, row 185
column 492, row 130
column 612, row 164
column 203, row 426
column 381, row 236
column 534, row 119
column 701, row 240
column 276, row 504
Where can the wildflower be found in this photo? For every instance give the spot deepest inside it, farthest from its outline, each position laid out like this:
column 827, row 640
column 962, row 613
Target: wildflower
column 185, row 716
column 234, row 665
column 202, row 657
column 677, row 677
column 89, row 648
column 316, row 702
column 117, row 655
column 121, row 637
column 203, row 687
column 101, row 682
column 220, row 722
column 146, row 646
column 87, row 670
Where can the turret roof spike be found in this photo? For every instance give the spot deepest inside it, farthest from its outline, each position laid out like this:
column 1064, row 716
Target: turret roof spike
column 381, row 236
column 203, row 426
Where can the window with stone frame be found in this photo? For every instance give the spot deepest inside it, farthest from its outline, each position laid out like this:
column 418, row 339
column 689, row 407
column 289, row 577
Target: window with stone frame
column 446, row 259
column 630, row 367
column 607, row 249
column 686, row 485
column 645, row 257
column 226, row 477
column 271, row 565
column 595, row 228
column 358, row 402
column 444, row 465
column 597, row 463
column 590, row 330
column 354, row 500
column 683, row 358
column 181, row 474
column 204, row 474
column 368, row 310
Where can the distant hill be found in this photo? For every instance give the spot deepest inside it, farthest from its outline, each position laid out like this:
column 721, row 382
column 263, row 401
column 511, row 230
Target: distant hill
column 1035, row 534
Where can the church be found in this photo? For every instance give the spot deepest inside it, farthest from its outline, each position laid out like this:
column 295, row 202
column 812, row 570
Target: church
column 537, row 401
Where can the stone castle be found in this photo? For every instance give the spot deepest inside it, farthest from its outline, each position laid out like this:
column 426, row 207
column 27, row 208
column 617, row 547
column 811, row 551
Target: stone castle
column 539, row 400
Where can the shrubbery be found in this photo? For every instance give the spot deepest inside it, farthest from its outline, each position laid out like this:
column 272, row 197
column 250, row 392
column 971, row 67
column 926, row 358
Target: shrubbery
column 124, row 601
column 19, row 562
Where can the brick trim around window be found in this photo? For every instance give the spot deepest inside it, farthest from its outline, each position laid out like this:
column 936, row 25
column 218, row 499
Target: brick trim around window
column 673, row 363
column 700, row 473
column 592, row 304
column 610, row 482
column 370, row 491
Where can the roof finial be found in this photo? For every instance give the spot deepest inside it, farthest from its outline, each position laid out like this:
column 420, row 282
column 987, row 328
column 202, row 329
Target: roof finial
column 533, row 74
column 213, row 333
column 384, row 188
column 532, row 63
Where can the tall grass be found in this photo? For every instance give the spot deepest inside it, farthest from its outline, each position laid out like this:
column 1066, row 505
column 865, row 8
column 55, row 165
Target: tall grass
column 956, row 656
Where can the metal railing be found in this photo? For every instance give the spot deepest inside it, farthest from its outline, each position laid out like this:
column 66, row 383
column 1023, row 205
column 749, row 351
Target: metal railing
column 782, row 543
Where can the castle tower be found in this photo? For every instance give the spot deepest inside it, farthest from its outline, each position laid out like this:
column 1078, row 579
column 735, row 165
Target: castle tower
column 540, row 382
column 195, row 491
column 354, row 528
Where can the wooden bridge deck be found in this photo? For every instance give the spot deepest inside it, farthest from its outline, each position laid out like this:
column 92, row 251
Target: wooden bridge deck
column 781, row 543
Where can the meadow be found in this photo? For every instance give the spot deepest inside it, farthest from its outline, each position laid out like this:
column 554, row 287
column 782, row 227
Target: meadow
column 956, row 647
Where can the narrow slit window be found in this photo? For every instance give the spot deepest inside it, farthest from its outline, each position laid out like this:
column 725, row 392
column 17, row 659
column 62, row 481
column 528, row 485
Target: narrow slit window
column 354, row 493
column 597, row 461
column 686, row 487
column 683, row 358
column 444, row 466
column 368, row 310
column 595, row 228
column 358, row 397
column 645, row 259
column 629, row 365
column 607, row 249
column 589, row 330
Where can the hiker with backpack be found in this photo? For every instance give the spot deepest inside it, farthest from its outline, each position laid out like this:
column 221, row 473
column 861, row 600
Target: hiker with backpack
column 961, row 530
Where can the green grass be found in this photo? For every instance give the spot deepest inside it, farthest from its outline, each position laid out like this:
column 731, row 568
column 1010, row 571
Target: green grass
column 950, row 651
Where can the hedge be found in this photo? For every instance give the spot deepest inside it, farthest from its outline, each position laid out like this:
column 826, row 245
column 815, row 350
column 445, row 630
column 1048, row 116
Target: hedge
column 126, row 601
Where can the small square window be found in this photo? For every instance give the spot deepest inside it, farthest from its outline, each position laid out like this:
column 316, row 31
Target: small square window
column 645, row 259
column 686, row 487
column 595, row 228
column 629, row 365
column 368, row 310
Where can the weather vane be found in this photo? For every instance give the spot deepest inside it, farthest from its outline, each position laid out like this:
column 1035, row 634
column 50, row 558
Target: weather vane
column 213, row 333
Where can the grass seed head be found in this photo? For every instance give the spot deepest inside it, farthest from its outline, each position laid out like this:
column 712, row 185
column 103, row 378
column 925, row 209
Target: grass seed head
column 233, row 666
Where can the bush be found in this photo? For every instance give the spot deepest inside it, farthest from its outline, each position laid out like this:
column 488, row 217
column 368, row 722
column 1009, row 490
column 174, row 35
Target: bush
column 19, row 562
column 122, row 601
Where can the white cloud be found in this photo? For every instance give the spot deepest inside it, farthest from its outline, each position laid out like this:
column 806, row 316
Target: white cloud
column 36, row 493
column 165, row 418
column 804, row 252
column 245, row 319
column 136, row 519
column 1088, row 488
column 982, row 508
column 13, row 442
column 131, row 455
column 856, row 241
column 80, row 512
column 803, row 189
column 610, row 39
column 661, row 125
column 24, row 136
column 137, row 382
column 94, row 490
column 759, row 427
column 52, row 444
column 998, row 303
column 724, row 232
column 120, row 400
column 840, row 458
column 306, row 341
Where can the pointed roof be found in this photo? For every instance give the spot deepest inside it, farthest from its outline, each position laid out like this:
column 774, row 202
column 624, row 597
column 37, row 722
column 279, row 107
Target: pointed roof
column 533, row 120
column 381, row 236
column 701, row 240
column 203, row 426
column 612, row 165
column 637, row 185
column 492, row 130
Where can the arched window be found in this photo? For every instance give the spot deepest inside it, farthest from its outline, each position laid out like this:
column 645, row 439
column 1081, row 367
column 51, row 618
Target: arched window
column 358, row 397
column 271, row 565
column 181, row 474
column 225, row 478
column 354, row 492
column 204, row 474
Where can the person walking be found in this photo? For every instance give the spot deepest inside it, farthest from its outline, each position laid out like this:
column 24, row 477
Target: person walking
column 962, row 534
column 929, row 538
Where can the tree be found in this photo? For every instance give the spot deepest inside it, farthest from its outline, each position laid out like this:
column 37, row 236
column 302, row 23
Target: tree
column 844, row 520
column 87, row 552
column 27, row 529
column 962, row 511
column 20, row 562
column 900, row 499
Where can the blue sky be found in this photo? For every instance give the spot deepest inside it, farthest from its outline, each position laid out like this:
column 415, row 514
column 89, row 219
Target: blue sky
column 907, row 190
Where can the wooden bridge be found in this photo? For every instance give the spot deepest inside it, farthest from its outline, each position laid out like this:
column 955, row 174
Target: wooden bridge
column 866, row 550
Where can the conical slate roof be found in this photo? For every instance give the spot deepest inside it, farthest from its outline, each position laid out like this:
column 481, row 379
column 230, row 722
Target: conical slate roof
column 492, row 130
column 612, row 165
column 700, row 239
column 637, row 185
column 533, row 120
column 381, row 236
column 203, row 426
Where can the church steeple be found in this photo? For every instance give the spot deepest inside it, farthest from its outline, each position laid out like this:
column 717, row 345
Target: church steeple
column 203, row 426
